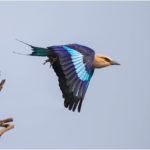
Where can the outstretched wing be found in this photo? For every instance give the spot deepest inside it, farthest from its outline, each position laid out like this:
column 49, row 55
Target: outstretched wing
column 74, row 69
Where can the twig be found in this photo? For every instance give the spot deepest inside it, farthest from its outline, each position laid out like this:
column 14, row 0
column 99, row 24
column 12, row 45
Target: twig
column 6, row 120
column 10, row 126
column 1, row 84
column 4, row 123
column 6, row 127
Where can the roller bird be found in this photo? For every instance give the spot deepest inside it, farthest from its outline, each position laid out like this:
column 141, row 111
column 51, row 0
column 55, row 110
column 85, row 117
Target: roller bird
column 74, row 64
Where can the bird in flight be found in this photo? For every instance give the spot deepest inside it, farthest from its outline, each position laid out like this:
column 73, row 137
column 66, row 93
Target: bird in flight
column 74, row 65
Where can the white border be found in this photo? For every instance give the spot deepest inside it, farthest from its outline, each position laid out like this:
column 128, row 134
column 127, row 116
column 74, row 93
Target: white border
column 75, row 149
column 74, row 0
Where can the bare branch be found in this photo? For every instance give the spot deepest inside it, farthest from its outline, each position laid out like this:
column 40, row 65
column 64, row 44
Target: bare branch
column 6, row 120
column 4, row 123
column 6, row 127
column 10, row 126
column 1, row 84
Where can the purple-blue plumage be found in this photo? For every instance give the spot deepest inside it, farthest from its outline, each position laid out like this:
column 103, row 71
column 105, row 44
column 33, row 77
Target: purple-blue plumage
column 88, row 53
column 74, row 70
column 73, row 66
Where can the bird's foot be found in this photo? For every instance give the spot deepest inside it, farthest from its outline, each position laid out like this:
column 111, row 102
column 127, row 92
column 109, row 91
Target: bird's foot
column 52, row 60
column 46, row 61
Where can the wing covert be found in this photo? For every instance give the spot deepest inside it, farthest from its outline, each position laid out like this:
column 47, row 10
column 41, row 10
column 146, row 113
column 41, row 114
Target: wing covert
column 75, row 64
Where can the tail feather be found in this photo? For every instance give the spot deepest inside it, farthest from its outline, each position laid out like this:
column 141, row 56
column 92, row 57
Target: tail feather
column 37, row 51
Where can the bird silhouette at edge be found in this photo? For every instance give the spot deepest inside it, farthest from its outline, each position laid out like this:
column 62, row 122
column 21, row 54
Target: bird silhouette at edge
column 74, row 65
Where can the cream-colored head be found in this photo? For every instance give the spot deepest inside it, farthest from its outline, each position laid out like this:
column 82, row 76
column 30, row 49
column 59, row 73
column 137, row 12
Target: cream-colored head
column 101, row 61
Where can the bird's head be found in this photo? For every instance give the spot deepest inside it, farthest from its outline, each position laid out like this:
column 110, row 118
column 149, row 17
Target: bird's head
column 101, row 61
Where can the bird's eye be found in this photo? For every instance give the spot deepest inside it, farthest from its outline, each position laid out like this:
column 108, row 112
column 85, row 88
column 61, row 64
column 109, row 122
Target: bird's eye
column 108, row 60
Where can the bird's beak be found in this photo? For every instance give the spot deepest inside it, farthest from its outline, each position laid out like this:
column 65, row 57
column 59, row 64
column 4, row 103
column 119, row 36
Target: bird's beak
column 114, row 63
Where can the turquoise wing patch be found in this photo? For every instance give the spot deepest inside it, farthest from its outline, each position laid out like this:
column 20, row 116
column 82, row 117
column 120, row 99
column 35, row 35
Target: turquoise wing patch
column 77, row 59
column 76, row 65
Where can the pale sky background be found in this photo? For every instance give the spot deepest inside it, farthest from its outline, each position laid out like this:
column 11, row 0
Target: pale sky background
column 116, row 108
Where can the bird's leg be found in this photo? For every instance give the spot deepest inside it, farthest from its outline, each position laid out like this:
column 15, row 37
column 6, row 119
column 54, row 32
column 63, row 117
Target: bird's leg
column 46, row 61
column 51, row 60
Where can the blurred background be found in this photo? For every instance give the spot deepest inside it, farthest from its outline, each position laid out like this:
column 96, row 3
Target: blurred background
column 115, row 111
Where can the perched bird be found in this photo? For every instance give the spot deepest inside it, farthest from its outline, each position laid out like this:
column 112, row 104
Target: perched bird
column 74, row 65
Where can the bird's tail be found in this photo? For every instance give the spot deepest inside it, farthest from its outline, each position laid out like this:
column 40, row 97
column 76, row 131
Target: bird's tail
column 38, row 51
